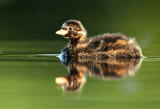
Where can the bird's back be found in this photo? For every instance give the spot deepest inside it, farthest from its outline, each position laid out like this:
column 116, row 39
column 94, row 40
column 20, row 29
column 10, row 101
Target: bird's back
column 109, row 45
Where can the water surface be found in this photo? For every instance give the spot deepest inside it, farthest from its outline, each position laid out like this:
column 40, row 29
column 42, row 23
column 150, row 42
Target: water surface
column 29, row 46
column 28, row 81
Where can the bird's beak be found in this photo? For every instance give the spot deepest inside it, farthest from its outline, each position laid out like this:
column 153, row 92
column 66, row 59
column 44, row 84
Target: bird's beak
column 62, row 32
column 61, row 80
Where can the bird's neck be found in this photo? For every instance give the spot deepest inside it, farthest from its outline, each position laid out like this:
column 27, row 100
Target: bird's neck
column 77, row 41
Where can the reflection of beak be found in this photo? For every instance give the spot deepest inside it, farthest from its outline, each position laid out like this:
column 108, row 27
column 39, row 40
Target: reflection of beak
column 61, row 80
column 62, row 32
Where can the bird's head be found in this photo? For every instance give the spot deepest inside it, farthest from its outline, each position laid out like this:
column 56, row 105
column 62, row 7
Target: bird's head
column 74, row 30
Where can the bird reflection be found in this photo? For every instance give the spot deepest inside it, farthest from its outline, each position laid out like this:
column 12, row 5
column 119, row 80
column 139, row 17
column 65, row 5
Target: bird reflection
column 106, row 69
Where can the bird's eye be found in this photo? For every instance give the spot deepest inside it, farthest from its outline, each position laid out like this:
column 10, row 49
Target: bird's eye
column 70, row 28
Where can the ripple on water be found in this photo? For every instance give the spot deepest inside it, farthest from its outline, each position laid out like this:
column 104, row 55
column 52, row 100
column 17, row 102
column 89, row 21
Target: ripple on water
column 152, row 58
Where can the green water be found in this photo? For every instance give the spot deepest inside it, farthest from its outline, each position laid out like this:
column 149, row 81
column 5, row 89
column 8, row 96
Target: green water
column 28, row 81
column 29, row 46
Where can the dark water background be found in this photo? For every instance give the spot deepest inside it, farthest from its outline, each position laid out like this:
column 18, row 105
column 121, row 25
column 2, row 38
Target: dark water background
column 27, row 28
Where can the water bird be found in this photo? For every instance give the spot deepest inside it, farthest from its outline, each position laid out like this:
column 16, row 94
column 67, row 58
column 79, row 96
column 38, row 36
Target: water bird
column 104, row 45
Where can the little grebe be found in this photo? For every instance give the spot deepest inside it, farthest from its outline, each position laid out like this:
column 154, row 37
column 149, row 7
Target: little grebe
column 105, row 45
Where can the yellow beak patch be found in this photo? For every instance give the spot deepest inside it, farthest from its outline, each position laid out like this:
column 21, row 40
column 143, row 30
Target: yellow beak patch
column 62, row 32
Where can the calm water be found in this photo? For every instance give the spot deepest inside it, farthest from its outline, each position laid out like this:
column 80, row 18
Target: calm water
column 27, row 80
column 30, row 68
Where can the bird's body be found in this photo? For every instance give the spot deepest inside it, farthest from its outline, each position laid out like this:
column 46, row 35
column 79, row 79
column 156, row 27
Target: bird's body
column 105, row 45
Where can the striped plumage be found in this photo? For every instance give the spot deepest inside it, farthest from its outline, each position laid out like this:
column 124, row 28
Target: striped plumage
column 105, row 45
